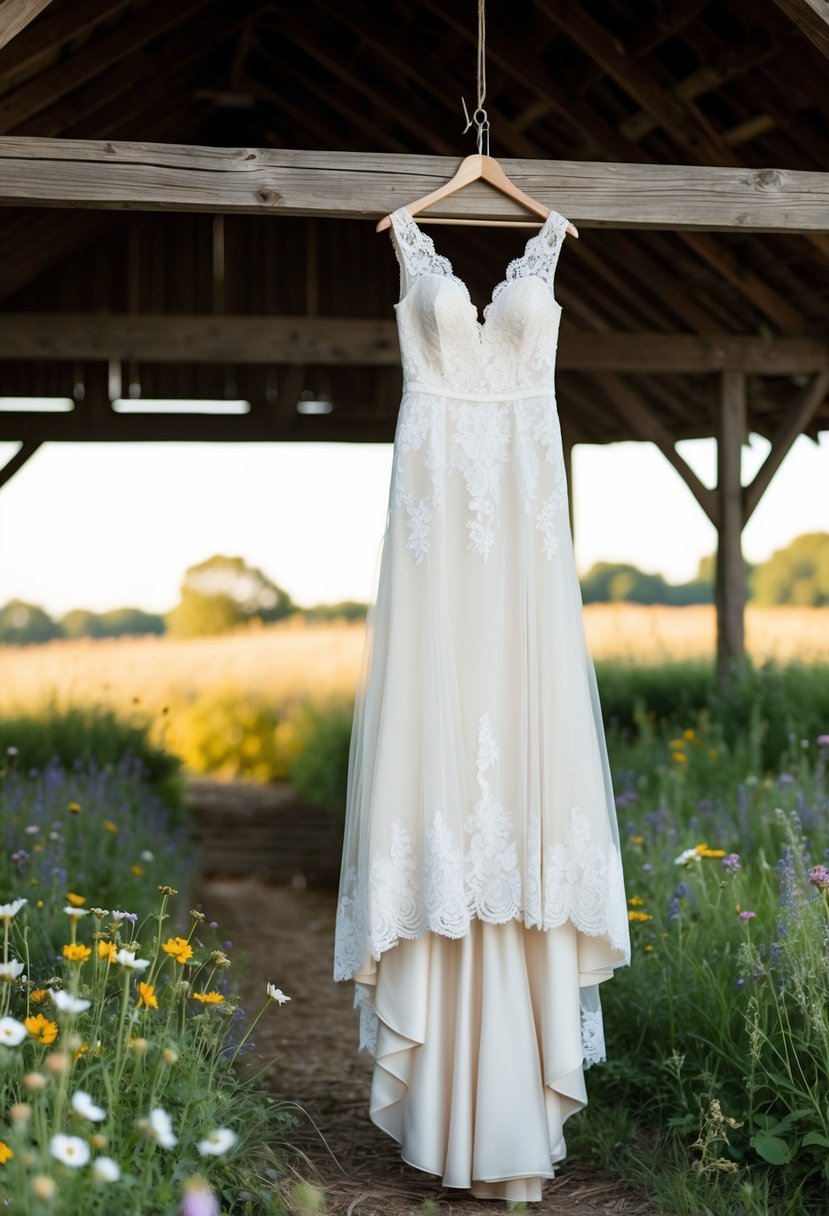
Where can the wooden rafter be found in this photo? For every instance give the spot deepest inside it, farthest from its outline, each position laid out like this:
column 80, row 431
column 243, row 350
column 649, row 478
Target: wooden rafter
column 145, row 176
column 180, row 338
column 15, row 15
column 26, row 450
column 812, row 17
column 793, row 425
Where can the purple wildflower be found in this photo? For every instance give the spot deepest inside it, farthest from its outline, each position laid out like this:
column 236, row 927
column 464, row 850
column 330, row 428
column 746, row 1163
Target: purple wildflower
column 746, row 915
column 819, row 877
column 647, row 867
column 731, row 862
column 785, row 779
column 823, row 740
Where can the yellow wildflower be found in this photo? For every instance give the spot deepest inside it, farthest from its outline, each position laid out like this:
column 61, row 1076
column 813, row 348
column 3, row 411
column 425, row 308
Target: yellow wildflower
column 209, row 998
column 680, row 757
column 39, row 995
column 76, row 953
column 137, row 870
column 711, row 852
column 41, row 1028
column 75, row 808
column 178, row 948
column 689, row 734
column 146, row 996
column 109, row 826
column 639, row 916
column 636, row 901
column 640, row 840
column 6, row 1153
column 676, row 744
column 648, row 949
column 77, row 901
column 107, row 950
column 82, row 1050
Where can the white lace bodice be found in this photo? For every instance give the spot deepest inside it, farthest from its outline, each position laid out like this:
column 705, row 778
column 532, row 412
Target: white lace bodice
column 442, row 341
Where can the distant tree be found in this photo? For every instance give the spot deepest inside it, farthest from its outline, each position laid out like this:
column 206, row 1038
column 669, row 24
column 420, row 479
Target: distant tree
column 81, row 623
column 348, row 610
column 117, row 622
column 797, row 574
column 22, row 623
column 221, row 593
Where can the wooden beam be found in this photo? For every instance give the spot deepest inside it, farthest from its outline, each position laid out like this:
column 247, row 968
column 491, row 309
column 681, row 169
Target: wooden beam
column 647, row 426
column 366, row 185
column 38, row 48
column 224, row 338
column 792, row 425
column 26, row 450
column 15, row 15
column 730, row 592
column 812, row 18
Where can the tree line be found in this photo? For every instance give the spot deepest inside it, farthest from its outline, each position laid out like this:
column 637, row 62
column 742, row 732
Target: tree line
column 225, row 593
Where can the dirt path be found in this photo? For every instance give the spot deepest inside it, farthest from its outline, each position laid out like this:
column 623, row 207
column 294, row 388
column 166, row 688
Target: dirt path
column 286, row 936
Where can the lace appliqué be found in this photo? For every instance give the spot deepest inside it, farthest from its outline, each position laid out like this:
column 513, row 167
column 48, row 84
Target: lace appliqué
column 480, row 441
column 493, row 882
column 539, row 259
column 546, row 520
column 592, row 1036
column 583, row 883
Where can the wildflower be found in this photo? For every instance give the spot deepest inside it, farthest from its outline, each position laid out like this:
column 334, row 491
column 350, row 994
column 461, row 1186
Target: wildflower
column 648, row 949
column 746, row 915
column 44, row 1187
column 823, row 740
column 169, row 1056
column 137, row 870
column 6, row 1153
column 11, row 750
column 41, row 1028
column 83, row 1105
column 10, row 970
column 636, row 901
column 639, row 916
column 57, row 1062
column 217, row 1142
column 98, row 1140
column 128, row 960
column 146, row 996
column 197, row 915
column 117, row 916
column 676, row 744
column 109, row 826
column 35, row 1082
column 100, row 913
column 178, row 948
column 689, row 734
column 75, row 808
column 67, row 1003
column 38, row 996
column 704, row 851
column 686, row 857
column 107, row 950
column 199, row 1199
column 165, row 890
column 106, row 1170
column 83, row 1048
column 147, row 855
column 209, row 998
column 819, row 877
column 9, row 911
column 71, row 1150
column 637, row 840
column 731, row 862
column 77, row 901
column 12, row 1032
column 785, row 779
column 220, row 958
column 160, row 1127
column 276, row 994
column 682, row 892
column 75, row 913
column 679, row 757
column 76, row 952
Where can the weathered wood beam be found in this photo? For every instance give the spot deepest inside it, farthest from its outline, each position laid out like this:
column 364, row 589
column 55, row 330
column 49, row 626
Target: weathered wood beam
column 730, row 591
column 15, row 15
column 792, row 425
column 156, row 177
column 188, row 338
column 646, row 425
column 26, row 450
column 812, row 18
column 35, row 49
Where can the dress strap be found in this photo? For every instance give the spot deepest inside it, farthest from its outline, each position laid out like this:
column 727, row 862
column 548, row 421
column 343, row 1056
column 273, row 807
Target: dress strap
column 415, row 251
column 540, row 256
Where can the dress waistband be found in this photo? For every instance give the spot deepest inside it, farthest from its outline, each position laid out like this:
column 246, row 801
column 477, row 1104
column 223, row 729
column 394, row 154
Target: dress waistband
column 417, row 387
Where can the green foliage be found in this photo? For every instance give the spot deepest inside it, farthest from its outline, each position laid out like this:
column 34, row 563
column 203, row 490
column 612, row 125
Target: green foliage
column 323, row 734
column 797, row 574
column 76, row 735
column 344, row 610
column 222, row 593
column 118, row 622
column 616, row 582
column 22, row 624
column 231, row 734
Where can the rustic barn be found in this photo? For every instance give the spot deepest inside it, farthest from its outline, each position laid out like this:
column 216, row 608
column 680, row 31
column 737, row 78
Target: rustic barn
column 190, row 194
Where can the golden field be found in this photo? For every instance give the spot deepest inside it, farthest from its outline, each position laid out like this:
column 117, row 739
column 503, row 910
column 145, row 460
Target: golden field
column 291, row 661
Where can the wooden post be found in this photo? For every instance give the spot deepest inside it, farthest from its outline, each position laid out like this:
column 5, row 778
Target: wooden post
column 730, row 581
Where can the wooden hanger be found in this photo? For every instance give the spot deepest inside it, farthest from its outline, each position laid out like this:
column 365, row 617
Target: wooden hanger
column 471, row 169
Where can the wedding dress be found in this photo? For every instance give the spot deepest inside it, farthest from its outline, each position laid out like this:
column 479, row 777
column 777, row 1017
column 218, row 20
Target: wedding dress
column 482, row 897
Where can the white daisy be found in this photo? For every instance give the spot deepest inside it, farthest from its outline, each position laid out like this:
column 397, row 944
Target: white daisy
column 8, row 911
column 161, row 1128
column 71, row 1150
column 83, row 1105
column 106, row 1170
column 217, row 1142
column 12, row 1032
column 127, row 959
column 70, row 911
column 276, row 994
column 10, row 970
column 67, row 1003
column 685, row 858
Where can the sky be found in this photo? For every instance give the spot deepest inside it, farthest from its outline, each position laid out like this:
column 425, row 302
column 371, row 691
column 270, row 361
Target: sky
column 101, row 526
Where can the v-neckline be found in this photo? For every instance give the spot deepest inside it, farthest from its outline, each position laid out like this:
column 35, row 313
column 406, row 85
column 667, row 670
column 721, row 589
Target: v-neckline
column 480, row 317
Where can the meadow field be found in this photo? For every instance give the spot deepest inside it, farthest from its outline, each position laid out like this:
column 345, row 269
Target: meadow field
column 292, row 660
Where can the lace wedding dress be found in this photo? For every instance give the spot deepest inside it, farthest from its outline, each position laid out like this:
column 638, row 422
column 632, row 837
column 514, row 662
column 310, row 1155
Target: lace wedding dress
column 482, row 896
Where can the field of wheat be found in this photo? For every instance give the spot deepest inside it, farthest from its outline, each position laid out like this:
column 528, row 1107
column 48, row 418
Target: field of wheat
column 291, row 661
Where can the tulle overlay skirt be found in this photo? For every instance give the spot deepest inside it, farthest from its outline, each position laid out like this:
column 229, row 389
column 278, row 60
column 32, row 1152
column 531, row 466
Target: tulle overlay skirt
column 481, row 900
